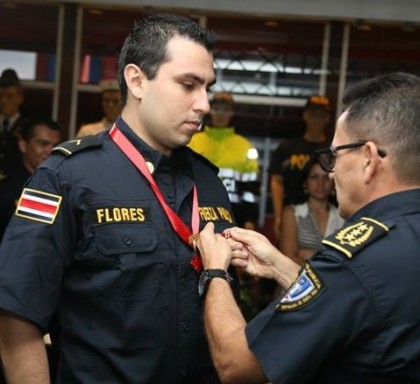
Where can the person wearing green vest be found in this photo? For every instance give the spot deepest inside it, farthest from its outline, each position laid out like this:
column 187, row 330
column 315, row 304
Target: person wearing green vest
column 236, row 157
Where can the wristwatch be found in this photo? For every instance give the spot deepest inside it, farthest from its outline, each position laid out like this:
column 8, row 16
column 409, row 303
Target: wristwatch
column 207, row 275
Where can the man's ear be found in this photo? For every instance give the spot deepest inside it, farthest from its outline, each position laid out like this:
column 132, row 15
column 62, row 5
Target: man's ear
column 135, row 80
column 371, row 159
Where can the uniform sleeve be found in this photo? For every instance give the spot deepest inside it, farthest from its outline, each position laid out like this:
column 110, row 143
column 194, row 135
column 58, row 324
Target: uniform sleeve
column 312, row 324
column 34, row 250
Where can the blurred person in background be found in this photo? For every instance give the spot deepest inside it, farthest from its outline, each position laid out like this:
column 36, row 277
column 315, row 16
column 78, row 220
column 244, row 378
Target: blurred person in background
column 11, row 119
column 304, row 225
column 235, row 156
column 111, row 107
column 237, row 160
column 37, row 138
column 291, row 156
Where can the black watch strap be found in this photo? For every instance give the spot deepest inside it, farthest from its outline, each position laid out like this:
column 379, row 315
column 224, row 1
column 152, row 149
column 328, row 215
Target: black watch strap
column 207, row 275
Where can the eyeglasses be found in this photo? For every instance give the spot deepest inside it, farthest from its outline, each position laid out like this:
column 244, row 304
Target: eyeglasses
column 327, row 156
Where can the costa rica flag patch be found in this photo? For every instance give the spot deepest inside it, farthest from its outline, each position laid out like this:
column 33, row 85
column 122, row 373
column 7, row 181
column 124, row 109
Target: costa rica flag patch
column 38, row 206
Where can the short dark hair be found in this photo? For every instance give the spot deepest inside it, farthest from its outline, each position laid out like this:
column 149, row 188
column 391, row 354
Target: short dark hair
column 386, row 110
column 145, row 46
column 28, row 129
column 306, row 170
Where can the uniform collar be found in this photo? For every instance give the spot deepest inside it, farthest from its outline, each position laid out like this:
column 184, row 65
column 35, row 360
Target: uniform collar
column 387, row 207
column 180, row 158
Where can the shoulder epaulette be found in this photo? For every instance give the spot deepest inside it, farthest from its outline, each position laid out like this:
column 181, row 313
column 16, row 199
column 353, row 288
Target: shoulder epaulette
column 354, row 237
column 70, row 147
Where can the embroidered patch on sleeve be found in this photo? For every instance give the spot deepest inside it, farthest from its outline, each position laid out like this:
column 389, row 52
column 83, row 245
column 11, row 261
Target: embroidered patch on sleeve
column 38, row 206
column 306, row 287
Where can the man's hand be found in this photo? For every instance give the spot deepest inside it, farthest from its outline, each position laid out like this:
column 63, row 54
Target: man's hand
column 246, row 249
column 215, row 251
column 259, row 257
column 252, row 251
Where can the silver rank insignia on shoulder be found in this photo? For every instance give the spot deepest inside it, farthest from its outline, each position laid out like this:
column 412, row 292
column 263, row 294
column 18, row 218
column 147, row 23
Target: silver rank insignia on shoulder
column 306, row 288
column 355, row 237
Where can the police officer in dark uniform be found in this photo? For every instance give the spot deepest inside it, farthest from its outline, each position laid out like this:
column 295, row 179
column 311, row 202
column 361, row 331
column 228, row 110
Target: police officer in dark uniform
column 102, row 233
column 37, row 139
column 289, row 159
column 351, row 314
column 11, row 120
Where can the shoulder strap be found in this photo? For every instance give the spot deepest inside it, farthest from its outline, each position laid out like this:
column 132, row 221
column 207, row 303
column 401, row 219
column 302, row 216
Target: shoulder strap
column 71, row 147
column 352, row 238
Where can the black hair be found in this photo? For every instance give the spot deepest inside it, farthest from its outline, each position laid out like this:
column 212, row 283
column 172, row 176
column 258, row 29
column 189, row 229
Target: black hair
column 146, row 44
column 313, row 160
column 27, row 131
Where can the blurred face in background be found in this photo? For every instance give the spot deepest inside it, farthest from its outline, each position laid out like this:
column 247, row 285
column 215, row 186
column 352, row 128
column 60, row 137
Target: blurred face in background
column 11, row 99
column 316, row 119
column 318, row 183
column 111, row 104
column 39, row 146
column 221, row 114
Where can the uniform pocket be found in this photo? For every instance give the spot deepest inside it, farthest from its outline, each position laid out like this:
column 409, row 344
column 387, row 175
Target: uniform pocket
column 122, row 263
column 115, row 239
column 117, row 281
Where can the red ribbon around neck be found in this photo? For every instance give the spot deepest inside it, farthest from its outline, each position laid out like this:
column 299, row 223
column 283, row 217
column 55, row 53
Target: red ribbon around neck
column 177, row 224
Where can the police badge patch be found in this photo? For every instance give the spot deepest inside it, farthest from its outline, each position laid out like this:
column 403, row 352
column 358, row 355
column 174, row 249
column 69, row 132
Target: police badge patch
column 306, row 287
column 351, row 239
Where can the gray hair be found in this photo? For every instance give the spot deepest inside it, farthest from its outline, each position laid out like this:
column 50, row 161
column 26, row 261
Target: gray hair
column 386, row 110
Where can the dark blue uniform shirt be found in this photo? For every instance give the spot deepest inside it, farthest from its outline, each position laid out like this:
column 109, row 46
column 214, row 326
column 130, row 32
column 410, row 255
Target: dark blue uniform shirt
column 353, row 315
column 96, row 245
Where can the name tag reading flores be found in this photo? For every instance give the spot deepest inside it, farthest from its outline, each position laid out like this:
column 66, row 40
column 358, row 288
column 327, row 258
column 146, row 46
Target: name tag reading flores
column 120, row 214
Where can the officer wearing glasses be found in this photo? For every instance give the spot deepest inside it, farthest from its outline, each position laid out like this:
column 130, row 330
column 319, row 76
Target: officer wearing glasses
column 326, row 156
column 351, row 314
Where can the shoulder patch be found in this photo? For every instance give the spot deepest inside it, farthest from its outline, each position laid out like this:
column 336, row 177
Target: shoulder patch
column 38, row 205
column 70, row 147
column 306, row 288
column 354, row 237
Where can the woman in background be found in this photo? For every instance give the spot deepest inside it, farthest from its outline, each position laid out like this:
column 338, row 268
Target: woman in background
column 305, row 225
